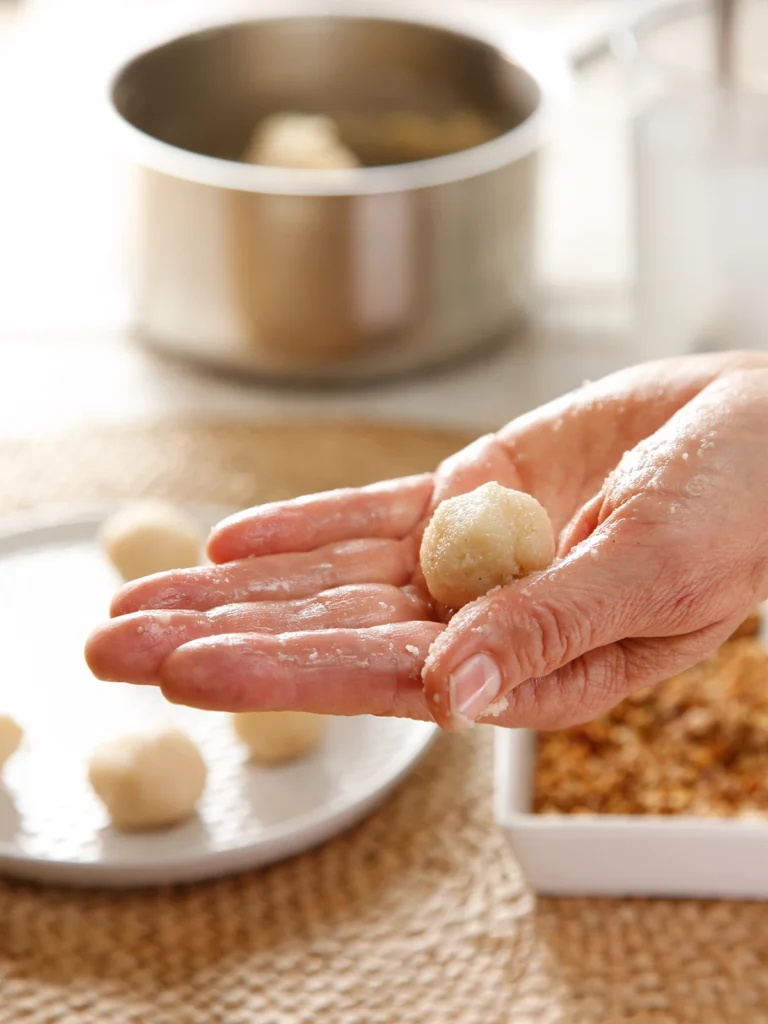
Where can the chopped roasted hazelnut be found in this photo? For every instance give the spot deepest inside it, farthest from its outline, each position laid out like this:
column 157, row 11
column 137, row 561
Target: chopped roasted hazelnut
column 695, row 744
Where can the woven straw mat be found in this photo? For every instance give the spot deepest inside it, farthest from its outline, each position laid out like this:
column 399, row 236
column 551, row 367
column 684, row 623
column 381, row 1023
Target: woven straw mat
column 418, row 915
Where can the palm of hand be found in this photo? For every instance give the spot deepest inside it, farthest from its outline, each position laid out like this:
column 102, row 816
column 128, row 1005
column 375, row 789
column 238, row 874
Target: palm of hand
column 330, row 585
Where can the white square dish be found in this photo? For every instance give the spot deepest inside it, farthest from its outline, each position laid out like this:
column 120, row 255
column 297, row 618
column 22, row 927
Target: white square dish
column 623, row 855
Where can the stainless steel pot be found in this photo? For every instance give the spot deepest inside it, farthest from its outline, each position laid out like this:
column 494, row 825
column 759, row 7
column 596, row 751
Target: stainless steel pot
column 332, row 275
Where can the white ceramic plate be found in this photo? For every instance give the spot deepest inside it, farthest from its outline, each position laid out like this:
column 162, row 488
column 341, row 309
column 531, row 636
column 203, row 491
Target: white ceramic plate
column 55, row 585
column 623, row 855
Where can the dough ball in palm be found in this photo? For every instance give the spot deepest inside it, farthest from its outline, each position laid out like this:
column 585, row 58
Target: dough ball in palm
column 484, row 539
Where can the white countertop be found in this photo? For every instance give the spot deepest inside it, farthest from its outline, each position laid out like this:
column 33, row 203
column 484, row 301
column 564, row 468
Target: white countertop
column 66, row 357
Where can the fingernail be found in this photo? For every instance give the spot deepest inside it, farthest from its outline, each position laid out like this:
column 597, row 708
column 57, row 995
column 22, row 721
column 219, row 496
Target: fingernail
column 473, row 685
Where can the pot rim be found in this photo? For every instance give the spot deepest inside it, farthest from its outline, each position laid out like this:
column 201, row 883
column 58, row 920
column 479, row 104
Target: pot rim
column 547, row 68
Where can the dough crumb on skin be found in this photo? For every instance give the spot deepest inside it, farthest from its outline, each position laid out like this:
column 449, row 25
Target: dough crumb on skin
column 274, row 737
column 148, row 781
column 11, row 735
column 149, row 537
column 496, row 707
column 483, row 540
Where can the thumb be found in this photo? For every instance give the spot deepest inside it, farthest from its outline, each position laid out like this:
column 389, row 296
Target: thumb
column 606, row 589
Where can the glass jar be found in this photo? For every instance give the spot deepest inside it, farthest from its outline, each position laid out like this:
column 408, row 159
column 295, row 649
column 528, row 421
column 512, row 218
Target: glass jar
column 700, row 162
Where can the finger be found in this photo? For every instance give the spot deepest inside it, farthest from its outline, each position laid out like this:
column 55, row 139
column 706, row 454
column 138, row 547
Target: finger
column 564, row 449
column 131, row 648
column 594, row 683
column 387, row 510
column 612, row 587
column 273, row 577
column 582, row 525
column 682, row 459
column 484, row 460
column 338, row 672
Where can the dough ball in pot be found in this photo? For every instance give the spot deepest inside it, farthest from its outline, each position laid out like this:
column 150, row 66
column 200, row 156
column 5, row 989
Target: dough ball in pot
column 303, row 141
column 11, row 735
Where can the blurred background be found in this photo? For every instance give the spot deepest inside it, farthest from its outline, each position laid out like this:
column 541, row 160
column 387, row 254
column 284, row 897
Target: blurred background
column 624, row 263
column 66, row 312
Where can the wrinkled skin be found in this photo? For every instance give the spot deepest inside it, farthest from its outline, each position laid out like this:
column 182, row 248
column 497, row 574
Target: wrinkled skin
column 656, row 480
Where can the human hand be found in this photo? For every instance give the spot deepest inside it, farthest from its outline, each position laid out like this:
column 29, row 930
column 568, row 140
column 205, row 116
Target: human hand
column 655, row 484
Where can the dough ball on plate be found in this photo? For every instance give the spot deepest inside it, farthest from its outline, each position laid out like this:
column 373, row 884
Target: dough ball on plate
column 11, row 735
column 305, row 141
column 150, row 537
column 276, row 736
column 148, row 781
column 484, row 539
